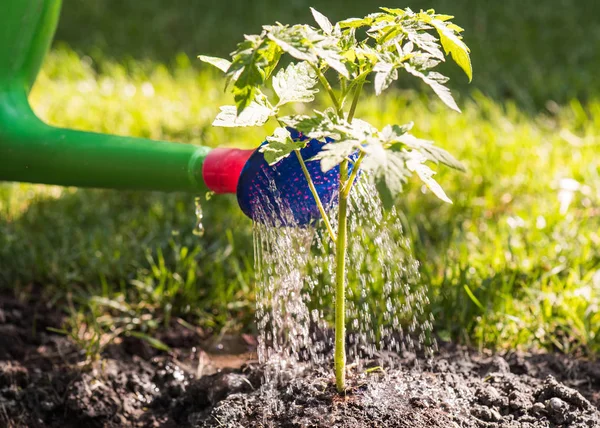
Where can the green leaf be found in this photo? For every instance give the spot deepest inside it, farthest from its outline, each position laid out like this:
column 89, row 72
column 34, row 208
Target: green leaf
column 389, row 171
column 415, row 163
column 395, row 12
column 294, row 40
column 317, row 126
column 355, row 22
column 473, row 298
column 279, row 146
column 333, row 154
column 426, row 42
column 295, row 84
column 454, row 45
column 58, row 330
column 254, row 114
column 443, row 17
column 155, row 343
column 329, row 52
column 307, row 44
column 253, row 62
column 322, row 20
column 435, row 81
column 328, row 125
column 430, row 151
column 220, row 63
column 366, row 54
column 385, row 74
column 392, row 133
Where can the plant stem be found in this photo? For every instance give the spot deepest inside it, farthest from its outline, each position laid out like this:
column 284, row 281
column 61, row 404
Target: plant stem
column 329, row 90
column 313, row 190
column 354, row 174
column 340, row 279
column 357, row 92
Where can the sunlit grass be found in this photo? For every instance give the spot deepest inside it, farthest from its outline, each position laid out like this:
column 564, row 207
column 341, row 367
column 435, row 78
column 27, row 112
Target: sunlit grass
column 514, row 261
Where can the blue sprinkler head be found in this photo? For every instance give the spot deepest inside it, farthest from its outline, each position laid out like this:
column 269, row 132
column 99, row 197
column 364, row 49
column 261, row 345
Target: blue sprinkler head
column 278, row 195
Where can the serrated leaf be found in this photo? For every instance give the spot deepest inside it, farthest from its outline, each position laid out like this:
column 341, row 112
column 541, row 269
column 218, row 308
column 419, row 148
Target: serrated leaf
column 444, row 17
column 279, row 146
column 330, row 53
column 385, row 74
column 220, row 63
column 455, row 46
column 454, row 27
column 253, row 115
column 355, row 22
column 389, row 172
column 426, row 42
column 322, row 21
column 395, row 12
column 392, row 133
column 242, row 95
column 295, row 84
column 307, row 44
column 317, row 126
column 333, row 154
column 435, row 81
column 430, row 151
column 253, row 62
column 415, row 163
column 293, row 40
column 359, row 129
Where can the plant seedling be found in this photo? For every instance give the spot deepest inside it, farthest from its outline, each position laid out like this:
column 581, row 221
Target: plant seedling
column 392, row 41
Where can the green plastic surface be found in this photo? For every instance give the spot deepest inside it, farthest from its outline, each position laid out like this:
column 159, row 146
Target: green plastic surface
column 32, row 151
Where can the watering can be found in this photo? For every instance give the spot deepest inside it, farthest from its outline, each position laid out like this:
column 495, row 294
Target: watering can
column 32, row 151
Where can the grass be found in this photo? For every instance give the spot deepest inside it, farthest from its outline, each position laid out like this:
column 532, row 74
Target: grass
column 512, row 263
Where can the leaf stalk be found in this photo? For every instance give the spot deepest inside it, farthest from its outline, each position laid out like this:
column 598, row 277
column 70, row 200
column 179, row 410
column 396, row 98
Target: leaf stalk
column 313, row 190
column 357, row 92
column 353, row 175
column 329, row 89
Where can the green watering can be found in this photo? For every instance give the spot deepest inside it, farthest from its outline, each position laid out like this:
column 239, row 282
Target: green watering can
column 32, row 151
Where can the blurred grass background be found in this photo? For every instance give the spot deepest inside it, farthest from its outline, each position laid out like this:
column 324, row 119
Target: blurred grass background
column 523, row 235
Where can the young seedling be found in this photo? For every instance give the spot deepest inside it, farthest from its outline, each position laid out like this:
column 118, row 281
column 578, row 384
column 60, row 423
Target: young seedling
column 393, row 41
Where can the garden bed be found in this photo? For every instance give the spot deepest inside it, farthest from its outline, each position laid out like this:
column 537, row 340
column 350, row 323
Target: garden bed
column 209, row 382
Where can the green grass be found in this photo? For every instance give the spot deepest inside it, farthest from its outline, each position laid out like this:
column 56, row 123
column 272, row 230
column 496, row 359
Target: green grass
column 529, row 51
column 506, row 266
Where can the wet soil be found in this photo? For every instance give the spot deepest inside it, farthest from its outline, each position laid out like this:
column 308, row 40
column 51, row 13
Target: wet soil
column 214, row 382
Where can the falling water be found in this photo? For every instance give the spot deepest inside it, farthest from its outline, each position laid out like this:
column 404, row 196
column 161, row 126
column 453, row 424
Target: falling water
column 199, row 229
column 386, row 303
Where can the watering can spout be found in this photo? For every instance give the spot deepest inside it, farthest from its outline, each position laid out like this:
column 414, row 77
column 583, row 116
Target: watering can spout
column 32, row 151
column 222, row 168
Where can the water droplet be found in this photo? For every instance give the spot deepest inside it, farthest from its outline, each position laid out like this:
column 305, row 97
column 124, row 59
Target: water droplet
column 199, row 229
column 295, row 271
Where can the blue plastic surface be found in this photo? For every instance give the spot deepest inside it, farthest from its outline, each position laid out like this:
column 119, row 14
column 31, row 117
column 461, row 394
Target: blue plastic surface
column 279, row 195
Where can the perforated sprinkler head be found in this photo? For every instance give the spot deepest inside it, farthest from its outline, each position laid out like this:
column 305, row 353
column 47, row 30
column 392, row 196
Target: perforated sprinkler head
column 279, row 195
column 276, row 195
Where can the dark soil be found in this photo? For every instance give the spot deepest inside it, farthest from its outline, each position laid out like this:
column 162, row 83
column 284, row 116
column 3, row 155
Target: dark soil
column 44, row 382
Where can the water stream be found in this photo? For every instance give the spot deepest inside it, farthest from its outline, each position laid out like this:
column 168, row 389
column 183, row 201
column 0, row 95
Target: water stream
column 386, row 302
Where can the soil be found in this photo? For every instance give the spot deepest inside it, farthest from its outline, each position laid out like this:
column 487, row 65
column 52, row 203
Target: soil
column 214, row 382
